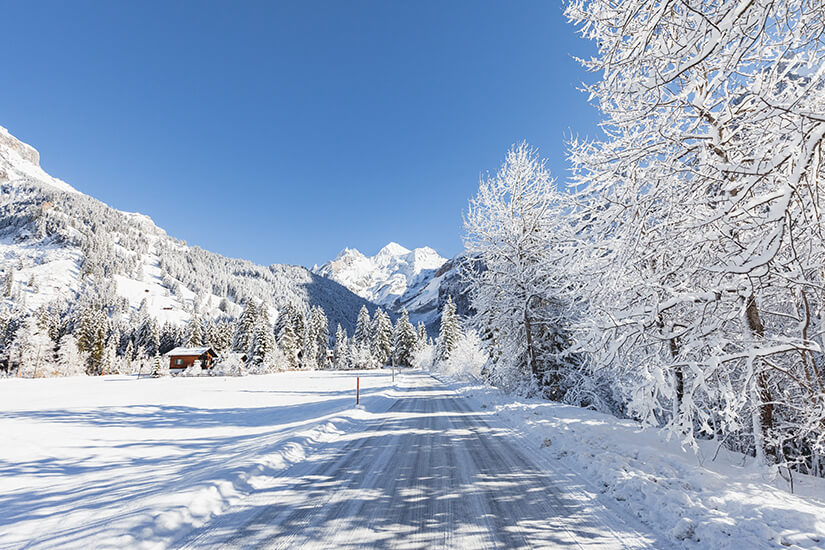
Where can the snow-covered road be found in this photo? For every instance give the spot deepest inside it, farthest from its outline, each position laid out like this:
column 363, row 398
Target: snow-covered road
column 428, row 472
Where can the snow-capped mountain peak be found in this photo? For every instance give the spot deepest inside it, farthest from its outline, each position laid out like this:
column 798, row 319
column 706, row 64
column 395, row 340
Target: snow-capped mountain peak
column 392, row 249
column 386, row 278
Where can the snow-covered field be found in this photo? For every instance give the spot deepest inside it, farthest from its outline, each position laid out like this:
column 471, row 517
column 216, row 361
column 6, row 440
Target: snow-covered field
column 116, row 462
column 696, row 500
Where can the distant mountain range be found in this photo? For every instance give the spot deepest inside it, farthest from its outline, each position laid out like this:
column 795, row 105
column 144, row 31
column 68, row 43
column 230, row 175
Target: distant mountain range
column 57, row 244
column 397, row 278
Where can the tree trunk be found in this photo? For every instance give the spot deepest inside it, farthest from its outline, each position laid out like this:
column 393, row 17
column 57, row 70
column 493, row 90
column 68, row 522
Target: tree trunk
column 763, row 400
column 528, row 333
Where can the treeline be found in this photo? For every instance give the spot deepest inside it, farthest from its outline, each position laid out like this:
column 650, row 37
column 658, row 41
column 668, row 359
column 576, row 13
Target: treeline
column 678, row 279
column 377, row 343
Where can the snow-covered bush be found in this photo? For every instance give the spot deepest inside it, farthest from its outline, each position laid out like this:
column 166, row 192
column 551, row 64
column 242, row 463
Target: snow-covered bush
column 195, row 369
column 467, row 358
column 229, row 364
column 423, row 356
column 361, row 357
column 274, row 361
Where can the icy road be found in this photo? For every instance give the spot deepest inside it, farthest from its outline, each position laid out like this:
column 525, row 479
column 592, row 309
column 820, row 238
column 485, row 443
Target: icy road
column 427, row 473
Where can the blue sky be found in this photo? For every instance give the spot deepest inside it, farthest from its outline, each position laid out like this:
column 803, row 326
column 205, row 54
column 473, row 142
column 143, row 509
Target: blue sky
column 283, row 132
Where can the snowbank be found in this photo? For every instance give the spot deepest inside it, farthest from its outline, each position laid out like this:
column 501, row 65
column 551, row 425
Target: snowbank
column 696, row 501
column 116, row 462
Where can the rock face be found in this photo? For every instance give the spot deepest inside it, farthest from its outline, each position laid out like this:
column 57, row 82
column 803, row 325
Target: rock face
column 24, row 150
column 21, row 162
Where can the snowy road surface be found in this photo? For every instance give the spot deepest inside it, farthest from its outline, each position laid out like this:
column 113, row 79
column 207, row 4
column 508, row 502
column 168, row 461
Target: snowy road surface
column 427, row 473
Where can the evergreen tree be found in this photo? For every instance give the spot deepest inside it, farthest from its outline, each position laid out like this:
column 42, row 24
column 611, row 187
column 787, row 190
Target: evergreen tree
column 289, row 346
column 262, row 346
column 320, row 328
column 152, row 344
column 244, row 328
column 382, row 337
column 405, row 340
column 362, row 335
column 450, row 332
column 8, row 283
column 340, row 351
column 194, row 332
column 299, row 328
column 421, row 329
column 128, row 356
column 168, row 338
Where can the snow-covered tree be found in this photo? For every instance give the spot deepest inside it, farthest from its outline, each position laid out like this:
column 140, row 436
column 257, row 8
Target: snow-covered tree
column 362, row 335
column 289, row 346
column 245, row 328
column 695, row 210
column 8, row 283
column 450, row 331
column 35, row 348
column 340, row 351
column 517, row 227
column 318, row 333
column 382, row 336
column 194, row 332
column 262, row 344
column 406, row 340
column 69, row 360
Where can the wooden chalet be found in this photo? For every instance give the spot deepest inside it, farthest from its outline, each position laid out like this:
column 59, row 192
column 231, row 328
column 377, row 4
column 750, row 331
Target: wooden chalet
column 181, row 358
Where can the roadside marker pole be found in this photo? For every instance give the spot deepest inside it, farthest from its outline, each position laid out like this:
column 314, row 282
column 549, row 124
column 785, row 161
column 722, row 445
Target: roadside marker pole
column 357, row 389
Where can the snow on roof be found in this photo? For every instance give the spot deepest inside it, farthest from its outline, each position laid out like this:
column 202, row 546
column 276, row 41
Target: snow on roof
column 187, row 351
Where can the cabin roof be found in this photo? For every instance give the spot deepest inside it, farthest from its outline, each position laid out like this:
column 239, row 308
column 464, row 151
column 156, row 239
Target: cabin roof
column 188, row 351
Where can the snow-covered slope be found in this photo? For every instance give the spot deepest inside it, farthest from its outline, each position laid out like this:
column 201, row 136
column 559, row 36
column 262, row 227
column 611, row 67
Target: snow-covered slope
column 61, row 245
column 389, row 278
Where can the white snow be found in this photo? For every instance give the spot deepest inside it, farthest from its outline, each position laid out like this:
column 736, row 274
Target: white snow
column 116, row 462
column 726, row 503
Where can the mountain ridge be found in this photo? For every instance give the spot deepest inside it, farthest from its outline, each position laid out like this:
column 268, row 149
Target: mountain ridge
column 57, row 243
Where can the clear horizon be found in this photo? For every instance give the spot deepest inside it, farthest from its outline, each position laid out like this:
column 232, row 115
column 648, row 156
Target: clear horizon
column 286, row 133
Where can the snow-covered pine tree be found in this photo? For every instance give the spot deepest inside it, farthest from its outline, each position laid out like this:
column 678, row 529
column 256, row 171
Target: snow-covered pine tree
column 289, row 346
column 340, row 351
column 320, row 324
column 8, row 283
column 168, row 338
column 261, row 353
column 194, row 332
column 362, row 335
column 406, row 340
column 450, row 331
column 129, row 357
column 382, row 336
column 244, row 328
column 421, row 330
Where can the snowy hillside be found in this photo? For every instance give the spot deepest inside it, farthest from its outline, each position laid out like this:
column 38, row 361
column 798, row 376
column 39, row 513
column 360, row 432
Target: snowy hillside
column 57, row 244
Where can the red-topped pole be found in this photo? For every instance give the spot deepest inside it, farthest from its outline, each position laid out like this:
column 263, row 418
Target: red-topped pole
column 357, row 390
